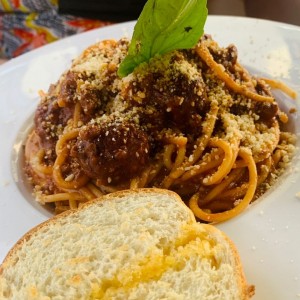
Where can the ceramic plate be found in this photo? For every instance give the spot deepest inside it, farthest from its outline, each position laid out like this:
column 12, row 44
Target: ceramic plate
column 267, row 235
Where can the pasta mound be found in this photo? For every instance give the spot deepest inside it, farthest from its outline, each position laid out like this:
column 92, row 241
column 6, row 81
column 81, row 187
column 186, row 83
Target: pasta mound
column 194, row 121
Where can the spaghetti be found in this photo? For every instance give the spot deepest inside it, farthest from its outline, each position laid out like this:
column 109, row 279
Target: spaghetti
column 194, row 121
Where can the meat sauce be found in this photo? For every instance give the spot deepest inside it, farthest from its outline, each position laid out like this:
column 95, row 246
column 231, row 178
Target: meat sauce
column 123, row 125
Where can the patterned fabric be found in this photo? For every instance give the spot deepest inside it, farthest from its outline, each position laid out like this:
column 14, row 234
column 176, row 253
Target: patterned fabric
column 29, row 24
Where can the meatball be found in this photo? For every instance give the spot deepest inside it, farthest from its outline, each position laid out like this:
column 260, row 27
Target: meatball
column 112, row 152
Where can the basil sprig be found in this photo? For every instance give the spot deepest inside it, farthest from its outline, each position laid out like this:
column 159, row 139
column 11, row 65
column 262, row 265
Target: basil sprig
column 163, row 26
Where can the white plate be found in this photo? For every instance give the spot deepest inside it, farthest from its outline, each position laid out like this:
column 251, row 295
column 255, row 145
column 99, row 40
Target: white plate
column 267, row 234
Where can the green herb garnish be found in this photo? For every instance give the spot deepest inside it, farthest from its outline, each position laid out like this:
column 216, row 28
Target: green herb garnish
column 163, row 26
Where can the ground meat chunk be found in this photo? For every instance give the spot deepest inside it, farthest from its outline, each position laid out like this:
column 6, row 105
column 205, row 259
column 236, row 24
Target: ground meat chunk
column 267, row 111
column 49, row 121
column 227, row 57
column 68, row 88
column 90, row 101
column 112, row 152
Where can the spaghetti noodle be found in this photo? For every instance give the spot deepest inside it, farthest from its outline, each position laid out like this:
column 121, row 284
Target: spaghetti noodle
column 194, row 121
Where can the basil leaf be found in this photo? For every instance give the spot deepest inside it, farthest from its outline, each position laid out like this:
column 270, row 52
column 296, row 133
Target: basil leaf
column 163, row 26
